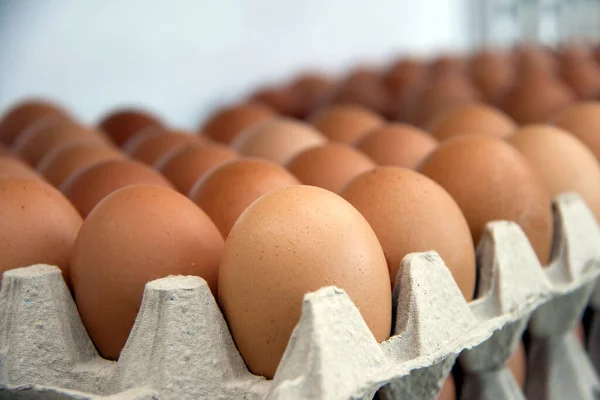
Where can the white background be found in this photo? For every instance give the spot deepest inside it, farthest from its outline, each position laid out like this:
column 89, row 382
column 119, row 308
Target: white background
column 181, row 58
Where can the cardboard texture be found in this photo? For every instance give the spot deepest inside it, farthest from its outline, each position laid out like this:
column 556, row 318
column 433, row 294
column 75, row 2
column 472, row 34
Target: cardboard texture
column 180, row 346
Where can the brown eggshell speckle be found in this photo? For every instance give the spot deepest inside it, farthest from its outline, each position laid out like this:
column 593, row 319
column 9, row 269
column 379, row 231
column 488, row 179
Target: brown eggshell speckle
column 346, row 123
column 19, row 117
column 184, row 166
column 397, row 144
column 490, row 181
column 226, row 191
column 472, row 118
column 380, row 194
column 150, row 149
column 38, row 225
column 564, row 163
column 226, row 123
column 124, row 123
column 330, row 166
column 289, row 242
column 135, row 235
column 277, row 140
column 583, row 121
column 90, row 185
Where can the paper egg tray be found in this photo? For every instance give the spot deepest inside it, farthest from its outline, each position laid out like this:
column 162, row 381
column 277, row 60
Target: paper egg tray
column 180, row 346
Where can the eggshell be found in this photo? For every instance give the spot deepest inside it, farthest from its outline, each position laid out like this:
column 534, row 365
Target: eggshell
column 582, row 120
column 277, row 140
column 397, row 144
column 517, row 363
column 564, row 163
column 135, row 235
column 403, row 74
column 536, row 98
column 46, row 135
column 490, row 180
column 282, row 99
column 494, row 73
column 150, row 149
column 445, row 63
column 330, row 166
column 38, row 225
column 68, row 158
column 123, row 123
column 535, row 59
column 312, row 89
column 226, row 191
column 471, row 118
column 11, row 167
column 4, row 151
column 346, row 123
column 289, row 242
column 21, row 115
column 369, row 94
column 381, row 193
column 90, row 185
column 184, row 166
column 226, row 123
column 448, row 390
column 583, row 76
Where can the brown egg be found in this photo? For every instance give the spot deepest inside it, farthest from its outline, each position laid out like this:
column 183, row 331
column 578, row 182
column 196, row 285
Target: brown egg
column 226, row 191
column 397, row 144
column 583, row 121
column 368, row 94
column 490, row 181
column 536, row 98
column 123, row 123
column 137, row 234
column 150, row 149
column 70, row 157
column 11, row 167
column 90, row 185
column 403, row 74
column 46, row 135
column 362, row 74
column 396, row 200
column 226, row 123
column 535, row 59
column 563, row 162
column 445, row 63
column 517, row 363
column 448, row 390
column 330, row 166
column 21, row 115
column 583, row 76
column 38, row 225
column 289, row 242
column 184, row 166
column 346, row 123
column 277, row 140
column 4, row 151
column 441, row 93
column 493, row 72
column 282, row 99
column 311, row 89
column 471, row 118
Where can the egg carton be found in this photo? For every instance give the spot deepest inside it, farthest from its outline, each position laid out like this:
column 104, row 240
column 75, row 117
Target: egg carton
column 180, row 346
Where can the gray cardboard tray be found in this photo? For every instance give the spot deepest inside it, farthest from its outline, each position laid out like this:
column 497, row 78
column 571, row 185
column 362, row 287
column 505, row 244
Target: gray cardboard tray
column 180, row 346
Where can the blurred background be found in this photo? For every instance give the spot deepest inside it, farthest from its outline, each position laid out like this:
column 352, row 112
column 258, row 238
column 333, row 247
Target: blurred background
column 182, row 59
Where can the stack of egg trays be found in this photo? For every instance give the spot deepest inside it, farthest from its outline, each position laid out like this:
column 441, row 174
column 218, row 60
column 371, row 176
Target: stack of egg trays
column 180, row 346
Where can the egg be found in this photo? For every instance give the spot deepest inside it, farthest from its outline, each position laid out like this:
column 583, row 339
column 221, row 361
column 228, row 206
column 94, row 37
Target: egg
column 123, row 123
column 150, row 149
column 90, row 185
column 582, row 120
column 564, row 163
column 184, row 166
column 535, row 59
column 21, row 115
column 369, row 94
column 311, row 89
column 330, row 166
column 448, row 62
column 583, row 76
column 440, row 94
column 471, row 118
column 137, row 234
column 277, row 140
column 11, row 167
column 517, row 363
column 345, row 123
column 536, row 98
column 448, row 391
column 282, row 99
column 405, row 209
column 226, row 123
column 68, row 158
column 403, row 81
column 490, row 180
column 396, row 144
column 287, row 243
column 38, row 225
column 4, row 151
column 227, row 190
column 494, row 73
column 46, row 135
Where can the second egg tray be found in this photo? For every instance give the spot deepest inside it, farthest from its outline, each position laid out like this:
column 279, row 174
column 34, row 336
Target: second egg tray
column 180, row 346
